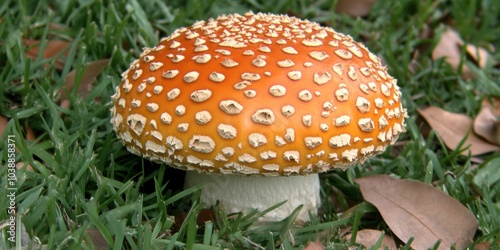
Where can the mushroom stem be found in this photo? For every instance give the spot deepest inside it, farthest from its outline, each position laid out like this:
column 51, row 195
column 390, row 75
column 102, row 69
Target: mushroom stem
column 243, row 193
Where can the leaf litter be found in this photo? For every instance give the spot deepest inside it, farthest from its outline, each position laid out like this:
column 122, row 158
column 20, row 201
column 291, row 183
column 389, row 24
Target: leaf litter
column 52, row 49
column 355, row 8
column 487, row 122
column 453, row 128
column 86, row 80
column 414, row 209
column 449, row 47
column 315, row 245
column 370, row 237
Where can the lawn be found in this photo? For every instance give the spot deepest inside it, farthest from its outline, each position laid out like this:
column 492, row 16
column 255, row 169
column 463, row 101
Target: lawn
column 71, row 184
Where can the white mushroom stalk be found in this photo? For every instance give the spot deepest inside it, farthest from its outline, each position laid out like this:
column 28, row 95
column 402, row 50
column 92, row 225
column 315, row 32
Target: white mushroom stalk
column 246, row 193
column 258, row 95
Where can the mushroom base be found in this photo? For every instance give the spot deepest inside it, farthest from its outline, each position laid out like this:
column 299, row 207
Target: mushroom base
column 243, row 193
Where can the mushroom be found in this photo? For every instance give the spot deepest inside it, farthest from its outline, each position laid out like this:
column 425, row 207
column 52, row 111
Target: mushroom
column 254, row 106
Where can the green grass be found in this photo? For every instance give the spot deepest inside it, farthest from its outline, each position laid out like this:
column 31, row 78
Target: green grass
column 84, row 179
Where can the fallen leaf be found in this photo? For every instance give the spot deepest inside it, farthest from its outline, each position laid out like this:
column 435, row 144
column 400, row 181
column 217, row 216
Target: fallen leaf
column 487, row 125
column 482, row 246
column 355, row 7
column 414, row 209
column 369, row 237
column 493, row 103
column 315, row 245
column 30, row 135
column 204, row 216
column 25, row 165
column 52, row 49
column 449, row 47
column 64, row 104
column 92, row 70
column 25, row 238
column 480, row 55
column 452, row 128
column 3, row 124
column 97, row 239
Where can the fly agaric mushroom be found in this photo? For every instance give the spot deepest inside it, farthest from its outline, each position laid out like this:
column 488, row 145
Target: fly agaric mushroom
column 265, row 98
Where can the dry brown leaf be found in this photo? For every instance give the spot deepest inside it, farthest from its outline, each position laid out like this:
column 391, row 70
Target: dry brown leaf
column 30, row 135
column 483, row 246
column 452, row 128
column 355, row 7
column 25, row 165
column 480, row 55
column 92, row 70
column 487, row 125
column 369, row 237
column 315, row 245
column 97, row 239
column 414, row 209
column 204, row 216
column 492, row 103
column 3, row 124
column 52, row 49
column 449, row 47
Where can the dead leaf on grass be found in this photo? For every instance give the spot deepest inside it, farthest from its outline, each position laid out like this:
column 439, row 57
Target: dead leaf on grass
column 204, row 216
column 452, row 128
column 52, row 49
column 480, row 55
column 483, row 246
column 355, row 7
column 30, row 135
column 493, row 104
column 24, row 165
column 97, row 239
column 92, row 70
column 369, row 237
column 414, row 209
column 449, row 47
column 315, row 245
column 487, row 125
column 3, row 124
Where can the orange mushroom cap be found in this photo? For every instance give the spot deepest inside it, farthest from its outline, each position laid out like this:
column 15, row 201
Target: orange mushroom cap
column 257, row 94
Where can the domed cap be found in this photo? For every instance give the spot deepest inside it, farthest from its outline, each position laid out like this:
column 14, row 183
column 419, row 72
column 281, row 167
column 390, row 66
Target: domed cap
column 257, row 94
